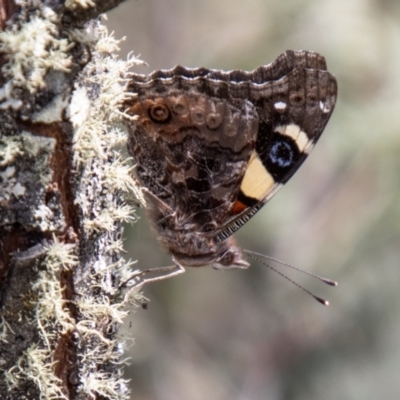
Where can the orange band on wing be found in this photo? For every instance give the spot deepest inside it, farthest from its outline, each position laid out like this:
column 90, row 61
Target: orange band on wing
column 238, row 207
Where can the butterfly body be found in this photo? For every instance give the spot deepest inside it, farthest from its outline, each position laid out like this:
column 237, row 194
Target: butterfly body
column 211, row 147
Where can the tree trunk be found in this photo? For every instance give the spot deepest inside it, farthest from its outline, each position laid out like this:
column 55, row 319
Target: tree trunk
column 62, row 188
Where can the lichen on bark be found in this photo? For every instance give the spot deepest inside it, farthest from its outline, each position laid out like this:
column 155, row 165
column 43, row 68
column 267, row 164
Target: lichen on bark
column 63, row 187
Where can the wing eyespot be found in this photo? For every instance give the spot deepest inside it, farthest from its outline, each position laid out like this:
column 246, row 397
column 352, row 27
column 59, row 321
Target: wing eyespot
column 159, row 113
column 179, row 108
column 297, row 99
column 281, row 154
column 213, row 121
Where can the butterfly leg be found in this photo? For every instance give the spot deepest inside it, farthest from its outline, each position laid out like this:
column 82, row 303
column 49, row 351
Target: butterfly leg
column 164, row 207
column 151, row 197
column 167, row 272
column 139, row 279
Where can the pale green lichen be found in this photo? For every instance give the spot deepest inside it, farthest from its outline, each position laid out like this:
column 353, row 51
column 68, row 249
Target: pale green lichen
column 51, row 310
column 9, row 186
column 24, row 178
column 53, row 112
column 104, row 179
column 10, row 148
column 52, row 317
column 79, row 107
column 107, row 43
column 107, row 218
column 104, row 384
column 44, row 218
column 32, row 51
column 119, row 175
column 4, row 329
column 60, row 256
column 36, row 365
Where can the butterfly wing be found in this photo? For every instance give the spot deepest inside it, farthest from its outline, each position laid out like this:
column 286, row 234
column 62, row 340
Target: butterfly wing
column 293, row 112
column 191, row 150
column 216, row 146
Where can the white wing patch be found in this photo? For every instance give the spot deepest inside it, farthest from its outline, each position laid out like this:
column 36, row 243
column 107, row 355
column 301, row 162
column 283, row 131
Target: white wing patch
column 257, row 181
column 300, row 137
column 280, row 105
column 324, row 107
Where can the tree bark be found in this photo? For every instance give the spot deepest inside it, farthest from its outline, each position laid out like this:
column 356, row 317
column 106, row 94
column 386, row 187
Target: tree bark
column 64, row 191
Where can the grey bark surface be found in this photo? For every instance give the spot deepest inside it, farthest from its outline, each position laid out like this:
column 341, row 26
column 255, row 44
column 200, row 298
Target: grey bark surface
column 62, row 188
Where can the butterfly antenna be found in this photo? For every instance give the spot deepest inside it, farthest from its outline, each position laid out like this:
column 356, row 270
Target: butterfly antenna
column 320, row 278
column 255, row 256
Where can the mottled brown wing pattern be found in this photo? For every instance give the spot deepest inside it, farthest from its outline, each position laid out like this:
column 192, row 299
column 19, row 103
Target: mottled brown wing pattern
column 191, row 152
column 212, row 147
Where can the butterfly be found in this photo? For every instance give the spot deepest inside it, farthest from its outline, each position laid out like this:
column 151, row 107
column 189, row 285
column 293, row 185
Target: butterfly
column 211, row 148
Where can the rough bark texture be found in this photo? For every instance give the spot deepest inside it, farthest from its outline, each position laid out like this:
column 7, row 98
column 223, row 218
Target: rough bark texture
column 61, row 202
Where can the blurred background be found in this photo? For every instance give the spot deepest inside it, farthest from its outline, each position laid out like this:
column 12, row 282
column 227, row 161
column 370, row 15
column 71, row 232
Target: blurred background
column 250, row 334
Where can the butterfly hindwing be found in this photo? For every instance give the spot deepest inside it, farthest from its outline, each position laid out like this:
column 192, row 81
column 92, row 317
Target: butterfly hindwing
column 192, row 152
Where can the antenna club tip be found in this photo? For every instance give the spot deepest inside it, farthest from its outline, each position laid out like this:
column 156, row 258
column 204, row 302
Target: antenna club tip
column 322, row 301
column 330, row 282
